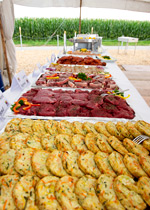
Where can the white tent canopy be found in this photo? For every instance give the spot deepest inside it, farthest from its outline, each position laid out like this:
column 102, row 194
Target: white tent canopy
column 133, row 5
column 7, row 17
column 8, row 21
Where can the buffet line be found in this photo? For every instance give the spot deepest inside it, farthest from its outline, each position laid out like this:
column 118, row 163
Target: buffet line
column 67, row 140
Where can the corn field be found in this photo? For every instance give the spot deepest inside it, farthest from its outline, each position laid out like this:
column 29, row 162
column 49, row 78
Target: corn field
column 43, row 28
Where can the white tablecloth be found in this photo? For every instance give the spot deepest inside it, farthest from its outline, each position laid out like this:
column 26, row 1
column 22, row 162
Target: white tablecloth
column 135, row 100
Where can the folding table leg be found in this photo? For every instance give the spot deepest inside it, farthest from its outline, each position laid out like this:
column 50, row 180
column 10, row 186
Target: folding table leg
column 126, row 48
column 118, row 46
column 135, row 47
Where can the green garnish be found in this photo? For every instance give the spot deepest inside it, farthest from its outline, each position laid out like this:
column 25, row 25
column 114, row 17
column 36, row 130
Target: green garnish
column 117, row 92
column 12, row 106
column 106, row 57
column 21, row 102
column 83, row 76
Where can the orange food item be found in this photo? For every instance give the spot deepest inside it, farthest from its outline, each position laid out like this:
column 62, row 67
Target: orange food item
column 80, row 61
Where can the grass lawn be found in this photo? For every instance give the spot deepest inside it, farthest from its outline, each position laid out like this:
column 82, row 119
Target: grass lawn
column 54, row 43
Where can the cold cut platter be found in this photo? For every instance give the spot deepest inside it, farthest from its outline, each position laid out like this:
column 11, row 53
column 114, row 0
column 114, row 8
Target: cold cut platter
column 102, row 81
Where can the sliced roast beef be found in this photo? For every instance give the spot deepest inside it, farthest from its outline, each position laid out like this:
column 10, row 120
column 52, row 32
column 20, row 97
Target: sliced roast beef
column 112, row 99
column 34, row 110
column 73, row 110
column 51, row 83
column 62, row 112
column 81, row 91
column 100, row 112
column 84, row 112
column 124, row 114
column 45, row 92
column 83, row 84
column 31, row 92
column 58, row 91
column 65, row 103
column 29, row 98
column 71, row 84
column 41, row 82
column 62, row 82
column 22, row 111
column 110, row 108
column 47, row 110
column 91, row 105
column 43, row 100
column 96, row 99
column 95, row 85
column 78, row 102
column 96, row 92
column 65, row 97
column 80, row 96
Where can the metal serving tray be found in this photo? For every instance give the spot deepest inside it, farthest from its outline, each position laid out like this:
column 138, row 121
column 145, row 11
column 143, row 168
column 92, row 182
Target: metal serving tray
column 10, row 114
column 50, row 87
column 83, row 56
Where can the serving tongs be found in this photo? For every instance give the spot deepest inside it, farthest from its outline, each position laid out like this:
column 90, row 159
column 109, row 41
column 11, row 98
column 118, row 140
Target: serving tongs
column 117, row 93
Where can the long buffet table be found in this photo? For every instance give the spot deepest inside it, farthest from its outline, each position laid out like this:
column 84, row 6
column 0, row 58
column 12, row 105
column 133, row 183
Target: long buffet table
column 53, row 159
column 135, row 100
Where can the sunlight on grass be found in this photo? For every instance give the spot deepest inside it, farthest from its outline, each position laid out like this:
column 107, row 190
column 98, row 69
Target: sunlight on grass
column 61, row 43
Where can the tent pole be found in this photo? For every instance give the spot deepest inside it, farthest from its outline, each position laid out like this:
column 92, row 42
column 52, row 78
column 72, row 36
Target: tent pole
column 80, row 17
column 5, row 53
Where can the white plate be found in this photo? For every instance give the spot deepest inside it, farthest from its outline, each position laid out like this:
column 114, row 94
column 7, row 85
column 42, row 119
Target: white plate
column 106, row 60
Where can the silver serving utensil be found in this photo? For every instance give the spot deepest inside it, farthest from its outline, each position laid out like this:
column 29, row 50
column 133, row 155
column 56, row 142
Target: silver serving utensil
column 139, row 139
column 105, row 94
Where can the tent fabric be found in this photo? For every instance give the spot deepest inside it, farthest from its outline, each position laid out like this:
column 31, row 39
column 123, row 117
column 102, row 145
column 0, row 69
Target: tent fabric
column 8, row 21
column 133, row 5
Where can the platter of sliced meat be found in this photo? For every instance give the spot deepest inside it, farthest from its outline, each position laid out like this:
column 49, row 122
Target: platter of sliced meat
column 102, row 81
column 71, row 103
column 78, row 60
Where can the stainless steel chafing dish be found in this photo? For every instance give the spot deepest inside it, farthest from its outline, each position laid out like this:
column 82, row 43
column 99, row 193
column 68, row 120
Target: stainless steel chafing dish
column 89, row 41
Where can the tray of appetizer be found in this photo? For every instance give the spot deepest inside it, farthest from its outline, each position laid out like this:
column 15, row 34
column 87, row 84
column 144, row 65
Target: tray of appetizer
column 64, row 164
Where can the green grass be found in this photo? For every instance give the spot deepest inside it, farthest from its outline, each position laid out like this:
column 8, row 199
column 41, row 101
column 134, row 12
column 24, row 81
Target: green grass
column 54, row 43
column 42, row 43
column 115, row 43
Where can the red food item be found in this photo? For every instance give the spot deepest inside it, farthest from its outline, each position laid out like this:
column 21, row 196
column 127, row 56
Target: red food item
column 96, row 99
column 80, row 61
column 62, row 82
column 47, row 110
column 44, row 100
column 84, row 112
column 73, row 110
column 31, row 92
column 80, row 96
column 100, row 112
column 83, row 84
column 113, row 99
column 71, row 80
column 34, row 110
column 77, row 103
